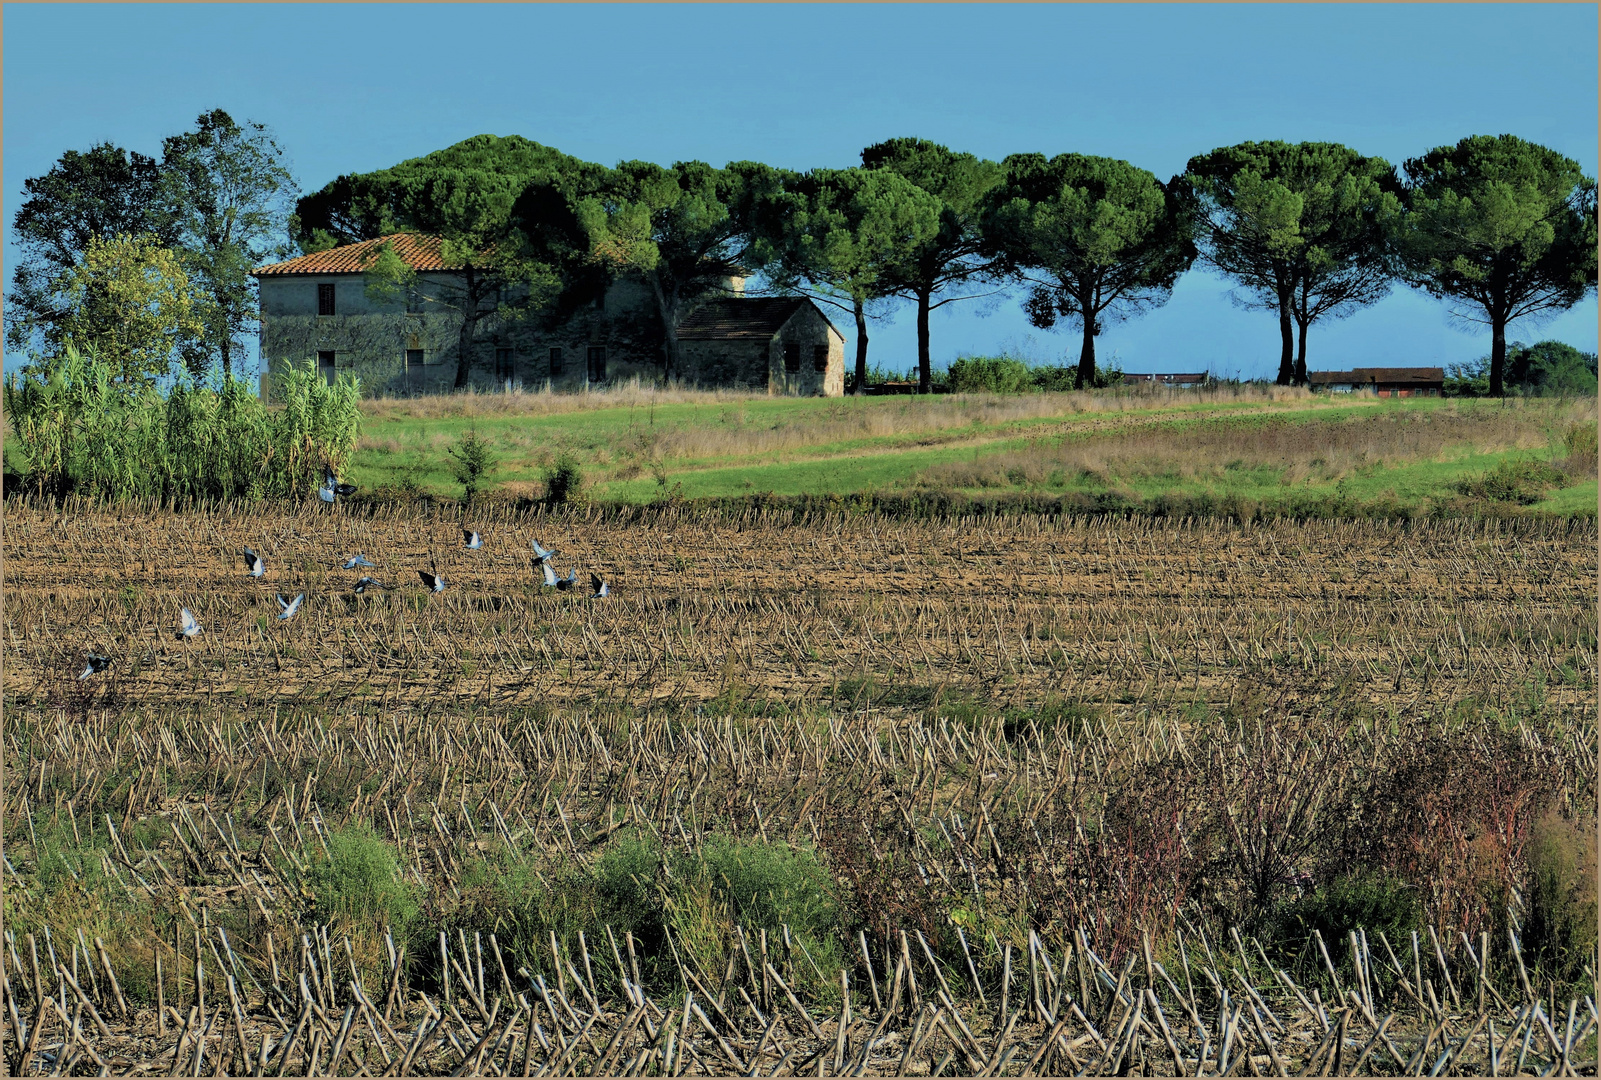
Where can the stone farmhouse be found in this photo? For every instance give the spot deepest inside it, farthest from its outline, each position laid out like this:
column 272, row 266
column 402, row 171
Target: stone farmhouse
column 317, row 306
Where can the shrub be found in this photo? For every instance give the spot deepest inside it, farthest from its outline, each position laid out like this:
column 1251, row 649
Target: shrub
column 1371, row 902
column 83, row 432
column 473, row 462
column 564, row 481
column 988, row 374
column 1517, row 481
column 1559, row 934
column 1580, row 443
column 359, row 883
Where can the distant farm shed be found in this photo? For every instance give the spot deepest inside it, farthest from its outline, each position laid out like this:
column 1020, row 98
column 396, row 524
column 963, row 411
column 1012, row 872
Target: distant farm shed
column 1190, row 380
column 1384, row 381
column 783, row 344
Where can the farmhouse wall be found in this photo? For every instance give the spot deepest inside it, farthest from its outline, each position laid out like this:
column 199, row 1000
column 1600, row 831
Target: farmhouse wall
column 371, row 340
column 808, row 329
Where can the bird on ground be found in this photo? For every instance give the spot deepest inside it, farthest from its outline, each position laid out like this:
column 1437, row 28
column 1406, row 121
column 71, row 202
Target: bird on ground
column 187, row 626
column 368, row 583
column 254, row 564
column 355, row 561
column 434, row 582
column 541, row 556
column 96, row 665
column 289, row 607
column 569, row 582
column 600, row 587
column 471, row 539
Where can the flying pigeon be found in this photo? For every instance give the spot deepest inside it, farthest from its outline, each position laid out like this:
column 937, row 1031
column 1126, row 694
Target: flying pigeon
column 368, row 583
column 541, row 556
column 289, row 606
column 568, row 582
column 355, row 561
column 600, row 587
column 434, row 582
column 187, row 626
column 96, row 665
column 254, row 563
column 471, row 539
column 331, row 487
column 550, row 575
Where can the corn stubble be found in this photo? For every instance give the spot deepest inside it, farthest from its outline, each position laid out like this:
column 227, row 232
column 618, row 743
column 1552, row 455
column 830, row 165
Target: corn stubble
column 1050, row 760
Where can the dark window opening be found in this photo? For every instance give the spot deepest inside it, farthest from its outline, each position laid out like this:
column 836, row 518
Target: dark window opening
column 325, row 365
column 791, row 358
column 413, row 358
column 325, row 299
column 820, row 357
column 503, row 363
column 555, row 362
column 413, row 302
column 597, row 363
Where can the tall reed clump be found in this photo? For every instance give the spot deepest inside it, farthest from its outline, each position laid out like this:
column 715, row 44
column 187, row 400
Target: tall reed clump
column 84, row 433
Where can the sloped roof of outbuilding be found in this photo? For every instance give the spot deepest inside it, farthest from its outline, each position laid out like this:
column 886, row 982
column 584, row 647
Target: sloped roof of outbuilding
column 744, row 318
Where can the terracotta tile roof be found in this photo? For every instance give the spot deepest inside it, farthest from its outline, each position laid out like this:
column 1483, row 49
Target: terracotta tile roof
column 1388, row 375
column 421, row 252
column 743, row 318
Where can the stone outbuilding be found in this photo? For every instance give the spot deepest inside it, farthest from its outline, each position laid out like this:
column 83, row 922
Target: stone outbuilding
column 783, row 344
column 1384, row 381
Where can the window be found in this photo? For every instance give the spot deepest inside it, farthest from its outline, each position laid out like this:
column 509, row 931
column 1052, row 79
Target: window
column 325, row 299
column 414, row 302
column 414, row 359
column 791, row 358
column 555, row 362
column 597, row 363
column 325, row 365
column 820, row 357
column 503, row 363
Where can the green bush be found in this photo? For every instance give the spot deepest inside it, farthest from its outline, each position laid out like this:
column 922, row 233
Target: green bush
column 1372, row 903
column 1516, row 481
column 988, row 375
column 564, row 481
column 1559, row 934
column 473, row 462
column 359, row 882
column 82, row 432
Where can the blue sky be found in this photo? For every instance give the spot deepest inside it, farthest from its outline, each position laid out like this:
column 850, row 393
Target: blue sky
column 359, row 87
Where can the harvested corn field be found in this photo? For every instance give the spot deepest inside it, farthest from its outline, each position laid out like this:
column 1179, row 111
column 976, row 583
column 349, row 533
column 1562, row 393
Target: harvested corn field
column 834, row 795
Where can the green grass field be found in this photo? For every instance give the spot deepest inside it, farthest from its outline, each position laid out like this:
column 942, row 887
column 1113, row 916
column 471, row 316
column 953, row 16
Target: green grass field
column 639, row 446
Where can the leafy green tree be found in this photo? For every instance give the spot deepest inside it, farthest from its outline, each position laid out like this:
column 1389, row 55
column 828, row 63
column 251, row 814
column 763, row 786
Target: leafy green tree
column 1098, row 238
column 129, row 303
column 95, row 194
column 685, row 231
column 1551, row 369
column 1303, row 227
column 957, row 255
column 228, row 190
column 471, row 195
column 836, row 236
column 1504, row 228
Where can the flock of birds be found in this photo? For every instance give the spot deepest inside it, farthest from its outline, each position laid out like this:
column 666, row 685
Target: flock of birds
column 256, row 567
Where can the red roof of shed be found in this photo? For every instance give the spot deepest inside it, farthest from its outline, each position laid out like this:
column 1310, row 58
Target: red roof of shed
column 420, row 251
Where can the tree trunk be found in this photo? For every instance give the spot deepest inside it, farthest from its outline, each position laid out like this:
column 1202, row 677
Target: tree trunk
column 1286, row 341
column 464, row 351
column 464, row 340
column 668, row 310
column 1300, row 355
column 861, row 349
column 227, row 358
column 1497, row 354
column 1086, row 355
column 925, row 372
